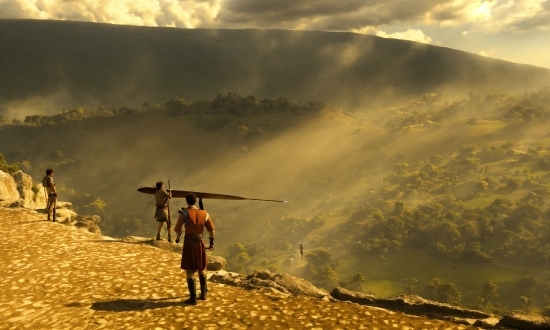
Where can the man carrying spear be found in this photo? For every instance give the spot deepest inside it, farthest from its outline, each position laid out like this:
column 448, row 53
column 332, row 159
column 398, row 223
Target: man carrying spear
column 162, row 212
column 192, row 220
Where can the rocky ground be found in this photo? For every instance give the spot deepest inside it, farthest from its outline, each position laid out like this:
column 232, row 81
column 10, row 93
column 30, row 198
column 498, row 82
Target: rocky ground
column 54, row 276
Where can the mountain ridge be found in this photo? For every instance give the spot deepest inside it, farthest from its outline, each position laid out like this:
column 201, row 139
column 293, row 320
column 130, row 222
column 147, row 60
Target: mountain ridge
column 54, row 65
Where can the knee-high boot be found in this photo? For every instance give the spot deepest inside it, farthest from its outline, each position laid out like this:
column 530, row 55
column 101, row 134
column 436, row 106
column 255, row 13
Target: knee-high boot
column 204, row 290
column 192, row 292
column 54, row 219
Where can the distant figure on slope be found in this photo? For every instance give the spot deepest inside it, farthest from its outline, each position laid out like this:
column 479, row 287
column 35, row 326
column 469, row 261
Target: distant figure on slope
column 161, row 213
column 302, row 250
column 49, row 187
column 193, row 257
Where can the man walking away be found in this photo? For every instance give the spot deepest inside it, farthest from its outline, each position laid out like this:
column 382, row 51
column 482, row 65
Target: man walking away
column 161, row 213
column 49, row 187
column 193, row 258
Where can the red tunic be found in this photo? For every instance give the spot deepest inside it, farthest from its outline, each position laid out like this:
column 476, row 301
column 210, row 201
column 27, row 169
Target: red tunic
column 193, row 255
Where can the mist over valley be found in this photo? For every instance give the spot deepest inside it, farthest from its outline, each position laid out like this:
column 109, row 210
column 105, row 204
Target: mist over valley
column 408, row 168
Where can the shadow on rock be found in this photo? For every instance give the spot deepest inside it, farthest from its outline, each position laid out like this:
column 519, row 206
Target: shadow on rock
column 126, row 305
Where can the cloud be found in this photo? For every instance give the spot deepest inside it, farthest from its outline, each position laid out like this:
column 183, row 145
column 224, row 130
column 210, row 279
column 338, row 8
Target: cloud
column 489, row 53
column 188, row 13
column 464, row 33
column 532, row 18
column 413, row 35
column 349, row 15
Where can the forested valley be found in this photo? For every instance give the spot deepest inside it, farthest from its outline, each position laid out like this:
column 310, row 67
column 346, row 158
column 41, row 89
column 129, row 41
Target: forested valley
column 445, row 196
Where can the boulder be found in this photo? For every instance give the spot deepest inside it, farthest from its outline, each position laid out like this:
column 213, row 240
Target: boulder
column 416, row 305
column 22, row 180
column 215, row 263
column 521, row 321
column 490, row 323
column 353, row 296
column 409, row 304
column 263, row 274
column 258, row 283
column 88, row 222
column 228, row 278
column 29, row 198
column 262, row 278
column 298, row 286
column 8, row 189
column 165, row 245
column 65, row 216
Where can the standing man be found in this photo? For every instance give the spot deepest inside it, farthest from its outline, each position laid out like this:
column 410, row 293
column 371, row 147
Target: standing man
column 49, row 187
column 161, row 213
column 302, row 250
column 193, row 257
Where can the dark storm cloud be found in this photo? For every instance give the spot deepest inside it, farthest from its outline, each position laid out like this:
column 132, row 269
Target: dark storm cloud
column 324, row 14
column 539, row 21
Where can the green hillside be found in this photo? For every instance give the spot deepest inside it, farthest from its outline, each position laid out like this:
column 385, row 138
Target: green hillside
column 449, row 191
column 47, row 66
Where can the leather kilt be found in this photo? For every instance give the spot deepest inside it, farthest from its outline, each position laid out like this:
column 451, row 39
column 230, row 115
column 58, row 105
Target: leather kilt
column 161, row 213
column 193, row 256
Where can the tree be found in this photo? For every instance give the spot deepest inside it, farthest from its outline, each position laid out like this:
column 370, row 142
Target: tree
column 444, row 292
column 320, row 258
column 356, row 281
column 3, row 163
column 328, row 276
column 95, row 207
column 490, row 291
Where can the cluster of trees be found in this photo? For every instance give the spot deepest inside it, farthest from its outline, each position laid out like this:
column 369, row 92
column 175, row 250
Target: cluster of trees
column 294, row 227
column 321, row 268
column 244, row 257
column 445, row 174
column 14, row 167
column 430, row 109
column 236, row 105
column 76, row 115
column 514, row 230
column 506, row 229
column 66, row 116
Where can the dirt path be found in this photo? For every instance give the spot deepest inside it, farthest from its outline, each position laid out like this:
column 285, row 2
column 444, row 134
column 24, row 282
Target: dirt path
column 57, row 277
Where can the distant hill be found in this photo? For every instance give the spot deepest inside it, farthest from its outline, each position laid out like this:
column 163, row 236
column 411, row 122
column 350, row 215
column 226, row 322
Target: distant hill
column 51, row 65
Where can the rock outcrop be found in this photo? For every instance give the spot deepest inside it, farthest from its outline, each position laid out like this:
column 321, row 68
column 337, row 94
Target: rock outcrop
column 29, row 198
column 263, row 278
column 215, row 263
column 410, row 304
column 8, row 189
column 88, row 222
column 81, row 279
column 520, row 321
column 416, row 305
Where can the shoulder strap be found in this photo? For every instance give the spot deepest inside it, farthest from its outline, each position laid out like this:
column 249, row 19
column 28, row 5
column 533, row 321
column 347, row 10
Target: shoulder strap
column 185, row 216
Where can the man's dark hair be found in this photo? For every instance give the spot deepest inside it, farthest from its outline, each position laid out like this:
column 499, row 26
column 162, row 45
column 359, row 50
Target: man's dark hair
column 191, row 199
column 159, row 184
column 49, row 171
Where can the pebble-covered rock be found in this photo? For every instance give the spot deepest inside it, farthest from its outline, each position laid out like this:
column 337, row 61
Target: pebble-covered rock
column 67, row 278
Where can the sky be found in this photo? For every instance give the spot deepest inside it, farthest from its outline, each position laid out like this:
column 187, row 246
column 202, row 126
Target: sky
column 512, row 30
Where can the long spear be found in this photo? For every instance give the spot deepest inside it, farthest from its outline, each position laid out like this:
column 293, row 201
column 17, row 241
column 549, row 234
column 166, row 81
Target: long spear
column 205, row 195
column 169, row 222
